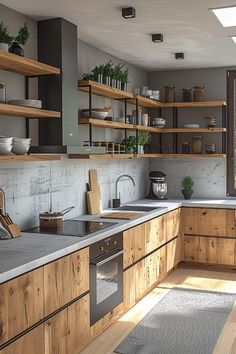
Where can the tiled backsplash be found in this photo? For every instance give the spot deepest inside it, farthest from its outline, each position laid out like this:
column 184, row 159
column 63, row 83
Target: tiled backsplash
column 209, row 176
column 28, row 186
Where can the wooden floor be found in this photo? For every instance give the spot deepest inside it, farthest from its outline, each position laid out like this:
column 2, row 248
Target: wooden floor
column 184, row 278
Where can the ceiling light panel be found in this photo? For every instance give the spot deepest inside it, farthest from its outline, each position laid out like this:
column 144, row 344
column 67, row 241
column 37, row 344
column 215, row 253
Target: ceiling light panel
column 226, row 15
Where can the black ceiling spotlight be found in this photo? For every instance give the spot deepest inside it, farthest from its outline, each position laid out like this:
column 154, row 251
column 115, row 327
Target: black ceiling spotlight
column 179, row 56
column 157, row 38
column 128, row 12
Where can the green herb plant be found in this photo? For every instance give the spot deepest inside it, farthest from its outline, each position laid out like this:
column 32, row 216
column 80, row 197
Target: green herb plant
column 5, row 37
column 23, row 35
column 187, row 183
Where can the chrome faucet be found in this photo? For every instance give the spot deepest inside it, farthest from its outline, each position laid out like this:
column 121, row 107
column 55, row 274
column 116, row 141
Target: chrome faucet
column 128, row 176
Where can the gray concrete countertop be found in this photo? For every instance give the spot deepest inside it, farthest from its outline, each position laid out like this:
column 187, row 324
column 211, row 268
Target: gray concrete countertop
column 30, row 251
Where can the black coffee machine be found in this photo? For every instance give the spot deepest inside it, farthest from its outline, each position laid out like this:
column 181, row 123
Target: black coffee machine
column 158, row 186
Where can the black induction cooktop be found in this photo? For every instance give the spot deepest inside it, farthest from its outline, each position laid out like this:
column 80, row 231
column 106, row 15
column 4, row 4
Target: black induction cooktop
column 74, row 228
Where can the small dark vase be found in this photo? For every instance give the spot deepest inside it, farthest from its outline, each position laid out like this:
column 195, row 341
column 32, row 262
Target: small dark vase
column 187, row 193
column 17, row 49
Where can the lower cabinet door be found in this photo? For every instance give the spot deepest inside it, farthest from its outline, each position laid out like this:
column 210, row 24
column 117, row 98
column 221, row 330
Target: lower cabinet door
column 174, row 253
column 129, row 282
column 66, row 332
column 31, row 343
column 211, row 250
column 152, row 269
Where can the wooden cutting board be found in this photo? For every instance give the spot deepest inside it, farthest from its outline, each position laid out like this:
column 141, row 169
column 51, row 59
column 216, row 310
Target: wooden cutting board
column 121, row 215
column 93, row 203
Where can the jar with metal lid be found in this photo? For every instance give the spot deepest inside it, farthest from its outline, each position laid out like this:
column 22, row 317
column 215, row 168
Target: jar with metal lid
column 2, row 92
column 197, row 144
column 187, row 95
column 199, row 94
column 185, row 147
column 169, row 94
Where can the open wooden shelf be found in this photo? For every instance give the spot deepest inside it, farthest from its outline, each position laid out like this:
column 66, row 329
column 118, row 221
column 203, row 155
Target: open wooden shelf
column 193, row 104
column 179, row 130
column 101, row 156
column 180, row 155
column 145, row 102
column 103, row 90
column 29, row 158
column 27, row 112
column 25, row 66
column 105, row 123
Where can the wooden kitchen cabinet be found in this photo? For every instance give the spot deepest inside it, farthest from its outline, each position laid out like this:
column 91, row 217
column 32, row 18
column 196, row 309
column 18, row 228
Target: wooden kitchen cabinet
column 66, row 279
column 174, row 253
column 129, row 282
column 21, row 304
column 134, row 244
column 152, row 269
column 209, row 222
column 171, row 224
column 154, row 234
column 211, row 250
column 66, row 332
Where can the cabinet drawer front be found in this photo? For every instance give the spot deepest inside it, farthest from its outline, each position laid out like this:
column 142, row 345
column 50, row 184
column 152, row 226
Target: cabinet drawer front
column 174, row 253
column 171, row 224
column 66, row 279
column 154, row 234
column 212, row 222
column 134, row 244
column 21, row 304
column 152, row 268
column 210, row 250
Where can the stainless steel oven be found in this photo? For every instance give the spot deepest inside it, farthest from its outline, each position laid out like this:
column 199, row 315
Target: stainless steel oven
column 106, row 276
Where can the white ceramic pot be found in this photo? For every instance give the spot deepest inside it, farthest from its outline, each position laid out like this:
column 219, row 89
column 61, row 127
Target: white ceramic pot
column 140, row 149
column 4, row 47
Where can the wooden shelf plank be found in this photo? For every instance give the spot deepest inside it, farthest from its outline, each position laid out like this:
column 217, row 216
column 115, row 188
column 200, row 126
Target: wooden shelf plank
column 103, row 90
column 179, row 130
column 145, row 102
column 25, row 66
column 101, row 156
column 194, row 104
column 105, row 123
column 180, row 155
column 27, row 112
column 29, row 158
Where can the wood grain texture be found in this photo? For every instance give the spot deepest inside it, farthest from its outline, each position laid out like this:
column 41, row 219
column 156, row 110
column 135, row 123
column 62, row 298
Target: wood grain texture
column 103, row 90
column 154, row 234
column 25, row 66
column 134, row 244
column 29, row 158
column 27, row 112
column 210, row 250
column 69, row 330
column 174, row 253
column 121, row 215
column 93, row 203
column 105, row 123
column 21, row 304
column 206, row 221
column 31, row 343
column 171, row 156
column 179, row 130
column 66, row 279
column 101, row 156
column 152, row 269
column 171, row 224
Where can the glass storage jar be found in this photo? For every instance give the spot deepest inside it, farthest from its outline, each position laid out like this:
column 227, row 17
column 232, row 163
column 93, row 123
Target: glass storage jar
column 197, row 144
column 187, row 95
column 199, row 94
column 185, row 147
column 169, row 94
column 2, row 92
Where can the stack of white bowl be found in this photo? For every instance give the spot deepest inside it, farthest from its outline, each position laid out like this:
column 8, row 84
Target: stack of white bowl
column 5, row 145
column 21, row 146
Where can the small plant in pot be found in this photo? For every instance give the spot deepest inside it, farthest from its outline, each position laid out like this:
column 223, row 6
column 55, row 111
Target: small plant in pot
column 5, row 38
column 143, row 139
column 130, row 144
column 21, row 39
column 187, row 185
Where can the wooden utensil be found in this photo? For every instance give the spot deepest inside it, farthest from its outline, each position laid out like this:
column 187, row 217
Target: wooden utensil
column 121, row 215
column 93, row 202
column 5, row 219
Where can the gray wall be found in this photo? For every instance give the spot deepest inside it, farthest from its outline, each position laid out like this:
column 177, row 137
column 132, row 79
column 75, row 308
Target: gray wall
column 27, row 185
column 209, row 174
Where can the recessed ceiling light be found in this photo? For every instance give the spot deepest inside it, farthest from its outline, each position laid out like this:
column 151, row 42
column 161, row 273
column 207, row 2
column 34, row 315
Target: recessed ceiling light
column 128, row 12
column 157, row 38
column 179, row 56
column 226, row 15
column 234, row 39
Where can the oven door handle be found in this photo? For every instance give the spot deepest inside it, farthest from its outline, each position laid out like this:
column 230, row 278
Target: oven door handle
column 107, row 259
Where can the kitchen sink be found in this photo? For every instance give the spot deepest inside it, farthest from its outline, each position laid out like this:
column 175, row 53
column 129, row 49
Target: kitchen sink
column 138, row 208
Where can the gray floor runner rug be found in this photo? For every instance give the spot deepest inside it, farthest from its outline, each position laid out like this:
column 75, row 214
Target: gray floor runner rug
column 185, row 321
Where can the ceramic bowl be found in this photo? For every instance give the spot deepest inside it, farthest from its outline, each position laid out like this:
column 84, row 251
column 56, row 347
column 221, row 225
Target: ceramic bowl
column 27, row 103
column 158, row 121
column 20, row 149
column 21, row 140
column 5, row 140
column 98, row 113
column 5, row 149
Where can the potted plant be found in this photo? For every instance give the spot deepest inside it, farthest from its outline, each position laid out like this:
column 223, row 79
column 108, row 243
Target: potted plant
column 21, row 39
column 187, row 185
column 5, row 38
column 124, row 79
column 108, row 70
column 130, row 144
column 143, row 138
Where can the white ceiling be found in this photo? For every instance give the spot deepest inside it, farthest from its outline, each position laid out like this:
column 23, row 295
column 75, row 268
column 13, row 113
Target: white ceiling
column 188, row 26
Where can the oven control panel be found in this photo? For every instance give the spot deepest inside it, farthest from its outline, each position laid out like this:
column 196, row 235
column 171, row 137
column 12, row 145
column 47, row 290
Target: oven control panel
column 104, row 246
